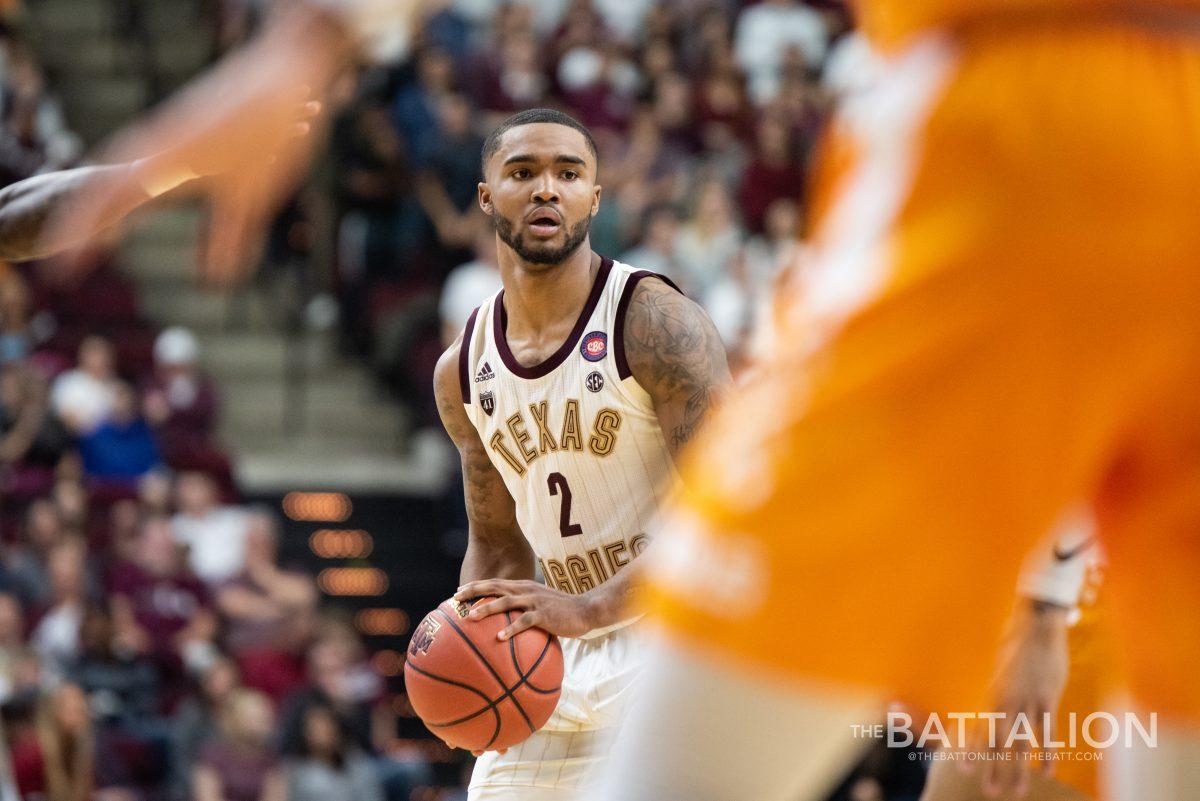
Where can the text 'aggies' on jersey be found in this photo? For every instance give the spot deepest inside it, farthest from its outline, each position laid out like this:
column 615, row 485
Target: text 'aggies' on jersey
column 575, row 438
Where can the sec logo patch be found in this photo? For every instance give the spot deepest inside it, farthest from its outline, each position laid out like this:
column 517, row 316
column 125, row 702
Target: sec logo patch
column 595, row 382
column 594, row 346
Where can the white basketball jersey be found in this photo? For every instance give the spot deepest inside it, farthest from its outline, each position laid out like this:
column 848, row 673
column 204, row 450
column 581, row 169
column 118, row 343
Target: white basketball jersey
column 575, row 437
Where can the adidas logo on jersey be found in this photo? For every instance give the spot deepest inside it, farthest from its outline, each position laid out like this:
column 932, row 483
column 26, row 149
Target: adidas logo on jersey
column 485, row 373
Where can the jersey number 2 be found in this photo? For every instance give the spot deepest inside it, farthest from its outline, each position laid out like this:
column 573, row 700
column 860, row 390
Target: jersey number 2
column 558, row 483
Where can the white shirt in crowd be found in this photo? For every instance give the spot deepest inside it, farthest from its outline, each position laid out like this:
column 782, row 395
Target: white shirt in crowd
column 466, row 287
column 82, row 400
column 623, row 18
column 216, row 542
column 706, row 259
column 56, row 639
column 764, row 34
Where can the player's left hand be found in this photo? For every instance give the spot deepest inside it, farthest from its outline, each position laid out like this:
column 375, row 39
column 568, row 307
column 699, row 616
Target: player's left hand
column 1031, row 678
column 553, row 610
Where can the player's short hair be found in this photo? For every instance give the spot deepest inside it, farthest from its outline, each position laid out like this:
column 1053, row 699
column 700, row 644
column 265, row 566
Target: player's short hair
column 534, row 116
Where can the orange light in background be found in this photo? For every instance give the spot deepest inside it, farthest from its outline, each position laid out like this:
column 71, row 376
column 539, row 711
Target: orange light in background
column 338, row 543
column 388, row 663
column 333, row 507
column 352, row 581
column 382, row 622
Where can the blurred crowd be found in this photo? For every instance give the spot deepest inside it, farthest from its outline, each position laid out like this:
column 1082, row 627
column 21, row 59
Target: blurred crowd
column 706, row 114
column 34, row 136
column 152, row 643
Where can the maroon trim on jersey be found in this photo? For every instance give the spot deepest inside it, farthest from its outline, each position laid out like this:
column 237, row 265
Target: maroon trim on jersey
column 500, row 324
column 464, row 357
column 631, row 283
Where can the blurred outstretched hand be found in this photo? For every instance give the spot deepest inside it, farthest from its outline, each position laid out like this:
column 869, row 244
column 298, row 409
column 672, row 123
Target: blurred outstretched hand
column 241, row 136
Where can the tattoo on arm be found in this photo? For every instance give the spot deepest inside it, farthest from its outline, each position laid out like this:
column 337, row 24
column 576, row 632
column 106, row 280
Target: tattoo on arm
column 675, row 353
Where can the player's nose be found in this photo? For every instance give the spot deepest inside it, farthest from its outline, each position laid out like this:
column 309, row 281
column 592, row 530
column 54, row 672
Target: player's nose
column 545, row 191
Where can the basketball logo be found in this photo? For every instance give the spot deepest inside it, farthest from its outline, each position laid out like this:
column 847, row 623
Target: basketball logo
column 422, row 638
column 595, row 346
column 595, row 381
column 488, row 401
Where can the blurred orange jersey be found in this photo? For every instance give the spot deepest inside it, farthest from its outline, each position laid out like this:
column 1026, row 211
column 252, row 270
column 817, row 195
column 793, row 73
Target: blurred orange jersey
column 1004, row 318
column 891, row 22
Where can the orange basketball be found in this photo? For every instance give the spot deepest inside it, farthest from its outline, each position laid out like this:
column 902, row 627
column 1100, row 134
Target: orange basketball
column 475, row 691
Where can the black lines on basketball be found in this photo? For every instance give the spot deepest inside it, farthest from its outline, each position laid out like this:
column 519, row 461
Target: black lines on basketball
column 524, row 675
column 489, row 704
column 440, row 668
column 508, row 691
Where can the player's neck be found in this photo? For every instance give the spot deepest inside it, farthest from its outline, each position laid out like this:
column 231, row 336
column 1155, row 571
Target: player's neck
column 542, row 298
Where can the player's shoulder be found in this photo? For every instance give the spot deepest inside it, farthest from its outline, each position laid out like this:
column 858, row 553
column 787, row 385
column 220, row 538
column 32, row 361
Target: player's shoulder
column 668, row 339
column 445, row 373
column 643, row 281
column 449, row 374
column 448, row 384
column 450, row 396
column 654, row 306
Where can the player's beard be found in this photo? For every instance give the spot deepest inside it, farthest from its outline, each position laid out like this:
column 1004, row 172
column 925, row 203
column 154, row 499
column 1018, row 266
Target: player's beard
column 542, row 255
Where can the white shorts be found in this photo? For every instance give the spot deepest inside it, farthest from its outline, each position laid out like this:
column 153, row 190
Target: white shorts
column 556, row 762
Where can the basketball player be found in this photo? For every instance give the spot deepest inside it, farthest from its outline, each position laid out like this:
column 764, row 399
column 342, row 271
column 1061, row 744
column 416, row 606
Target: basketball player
column 568, row 396
column 1008, row 321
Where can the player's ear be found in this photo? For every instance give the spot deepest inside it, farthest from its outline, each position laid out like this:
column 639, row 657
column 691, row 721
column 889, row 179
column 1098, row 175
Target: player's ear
column 597, row 190
column 484, row 194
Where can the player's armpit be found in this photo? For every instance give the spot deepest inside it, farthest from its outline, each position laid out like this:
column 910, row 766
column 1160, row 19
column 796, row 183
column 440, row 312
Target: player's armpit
column 676, row 355
column 496, row 547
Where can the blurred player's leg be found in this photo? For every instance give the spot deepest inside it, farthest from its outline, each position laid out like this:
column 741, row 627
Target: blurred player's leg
column 1169, row 771
column 744, row 728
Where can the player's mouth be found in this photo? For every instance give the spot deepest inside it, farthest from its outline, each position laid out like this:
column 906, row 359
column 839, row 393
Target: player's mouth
column 544, row 223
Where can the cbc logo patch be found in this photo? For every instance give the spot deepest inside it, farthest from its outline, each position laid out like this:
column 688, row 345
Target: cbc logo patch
column 595, row 382
column 595, row 346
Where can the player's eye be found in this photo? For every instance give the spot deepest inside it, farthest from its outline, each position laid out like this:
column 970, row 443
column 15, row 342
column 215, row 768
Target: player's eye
column 521, row 174
column 569, row 175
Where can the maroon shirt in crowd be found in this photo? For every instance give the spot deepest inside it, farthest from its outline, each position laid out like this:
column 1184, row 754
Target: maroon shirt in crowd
column 242, row 772
column 763, row 184
column 164, row 605
column 192, row 412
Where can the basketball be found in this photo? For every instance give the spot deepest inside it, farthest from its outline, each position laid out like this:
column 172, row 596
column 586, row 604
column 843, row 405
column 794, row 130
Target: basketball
column 475, row 691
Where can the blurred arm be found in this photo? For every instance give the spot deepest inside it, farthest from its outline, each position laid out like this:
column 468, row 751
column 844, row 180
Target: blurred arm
column 245, row 604
column 242, row 124
column 206, row 785
column 274, row 787
column 26, row 208
column 1056, row 572
column 20, row 438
